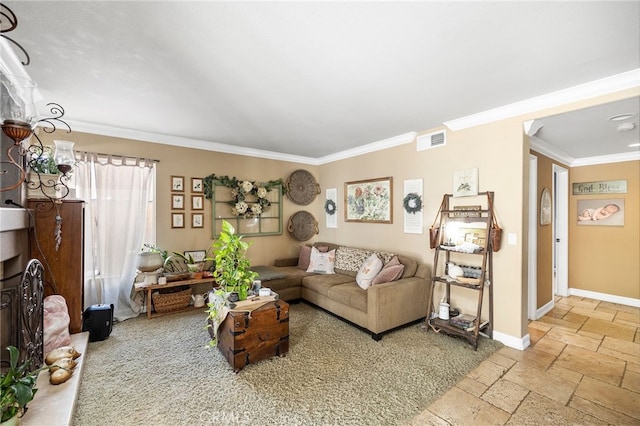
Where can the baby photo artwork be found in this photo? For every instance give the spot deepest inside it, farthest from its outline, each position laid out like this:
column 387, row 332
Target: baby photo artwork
column 605, row 212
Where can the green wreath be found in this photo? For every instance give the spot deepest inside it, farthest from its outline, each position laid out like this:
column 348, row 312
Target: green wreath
column 330, row 207
column 412, row 203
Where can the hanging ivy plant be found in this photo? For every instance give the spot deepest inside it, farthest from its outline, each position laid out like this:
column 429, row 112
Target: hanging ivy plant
column 330, row 207
column 412, row 203
column 241, row 205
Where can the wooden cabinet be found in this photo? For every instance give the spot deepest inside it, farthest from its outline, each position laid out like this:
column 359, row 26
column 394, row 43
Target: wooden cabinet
column 61, row 249
column 464, row 246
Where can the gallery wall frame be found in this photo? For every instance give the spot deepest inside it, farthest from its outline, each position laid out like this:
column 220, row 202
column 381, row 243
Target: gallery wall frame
column 177, row 220
column 177, row 201
column 369, row 200
column 197, row 185
column 177, row 183
column 197, row 202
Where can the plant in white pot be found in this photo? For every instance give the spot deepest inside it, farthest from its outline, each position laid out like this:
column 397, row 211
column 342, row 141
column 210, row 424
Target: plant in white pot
column 232, row 268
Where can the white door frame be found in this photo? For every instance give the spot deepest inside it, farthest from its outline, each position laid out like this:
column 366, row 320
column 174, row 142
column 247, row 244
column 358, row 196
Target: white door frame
column 533, row 239
column 561, row 231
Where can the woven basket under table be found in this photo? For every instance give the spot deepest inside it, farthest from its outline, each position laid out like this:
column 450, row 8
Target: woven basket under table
column 167, row 302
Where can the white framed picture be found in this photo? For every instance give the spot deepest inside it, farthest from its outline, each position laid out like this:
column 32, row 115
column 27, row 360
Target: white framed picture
column 465, row 183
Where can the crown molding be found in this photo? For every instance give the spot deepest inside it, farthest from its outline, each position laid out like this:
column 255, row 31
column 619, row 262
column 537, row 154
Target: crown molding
column 123, row 133
column 368, row 148
column 550, row 151
column 604, row 86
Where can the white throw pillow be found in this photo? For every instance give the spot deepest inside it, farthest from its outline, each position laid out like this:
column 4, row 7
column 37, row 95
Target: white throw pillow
column 322, row 263
column 368, row 271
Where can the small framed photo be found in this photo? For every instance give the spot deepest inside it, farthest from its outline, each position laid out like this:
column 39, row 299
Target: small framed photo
column 177, row 183
column 197, row 202
column 196, row 255
column 465, row 182
column 197, row 220
column 197, row 185
column 177, row 201
column 177, row 220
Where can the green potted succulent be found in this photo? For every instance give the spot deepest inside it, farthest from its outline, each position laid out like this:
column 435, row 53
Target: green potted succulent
column 17, row 388
column 232, row 270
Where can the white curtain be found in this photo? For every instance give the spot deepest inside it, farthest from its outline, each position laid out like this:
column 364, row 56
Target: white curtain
column 119, row 197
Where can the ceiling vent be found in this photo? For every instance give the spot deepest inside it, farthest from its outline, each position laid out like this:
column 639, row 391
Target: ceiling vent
column 431, row 140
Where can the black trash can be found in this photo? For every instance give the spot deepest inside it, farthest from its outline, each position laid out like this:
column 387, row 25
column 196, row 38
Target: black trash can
column 98, row 321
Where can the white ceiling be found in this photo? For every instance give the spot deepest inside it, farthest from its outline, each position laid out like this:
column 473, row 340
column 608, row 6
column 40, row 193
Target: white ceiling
column 313, row 79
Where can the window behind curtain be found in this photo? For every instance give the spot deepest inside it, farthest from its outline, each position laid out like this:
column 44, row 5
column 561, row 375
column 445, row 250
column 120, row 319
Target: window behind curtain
column 119, row 195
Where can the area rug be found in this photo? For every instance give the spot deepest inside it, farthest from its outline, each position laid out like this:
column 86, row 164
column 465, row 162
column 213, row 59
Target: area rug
column 159, row 372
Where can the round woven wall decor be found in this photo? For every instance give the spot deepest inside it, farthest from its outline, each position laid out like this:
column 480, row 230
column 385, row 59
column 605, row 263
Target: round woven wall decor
column 302, row 226
column 302, row 187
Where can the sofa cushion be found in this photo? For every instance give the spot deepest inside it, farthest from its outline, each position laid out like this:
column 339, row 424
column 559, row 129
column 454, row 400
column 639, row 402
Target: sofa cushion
column 390, row 272
column 322, row 263
column 350, row 259
column 349, row 294
column 385, row 256
column 368, row 271
column 410, row 266
column 304, row 257
column 322, row 283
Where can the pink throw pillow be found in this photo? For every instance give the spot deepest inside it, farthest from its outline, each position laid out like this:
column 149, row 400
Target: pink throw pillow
column 392, row 271
column 304, row 257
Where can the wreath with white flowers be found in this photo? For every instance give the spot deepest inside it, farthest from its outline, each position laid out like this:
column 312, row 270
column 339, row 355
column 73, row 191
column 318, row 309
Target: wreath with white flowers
column 412, row 203
column 242, row 191
column 330, row 207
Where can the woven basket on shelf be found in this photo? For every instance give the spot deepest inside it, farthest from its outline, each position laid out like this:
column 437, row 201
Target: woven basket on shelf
column 167, row 302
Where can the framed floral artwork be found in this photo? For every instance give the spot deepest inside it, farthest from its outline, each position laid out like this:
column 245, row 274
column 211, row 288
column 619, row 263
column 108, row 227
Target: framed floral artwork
column 177, row 220
column 197, row 202
column 369, row 200
column 177, row 201
column 197, row 220
column 197, row 185
column 177, row 183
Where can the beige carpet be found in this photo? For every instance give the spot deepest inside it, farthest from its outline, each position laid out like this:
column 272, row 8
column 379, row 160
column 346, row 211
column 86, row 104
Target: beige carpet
column 158, row 372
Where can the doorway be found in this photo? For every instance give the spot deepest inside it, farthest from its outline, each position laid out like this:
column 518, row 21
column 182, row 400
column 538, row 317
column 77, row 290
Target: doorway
column 560, row 238
column 560, row 221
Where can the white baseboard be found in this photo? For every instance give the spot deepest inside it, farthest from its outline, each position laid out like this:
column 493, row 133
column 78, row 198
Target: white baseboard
column 628, row 301
column 520, row 343
column 544, row 310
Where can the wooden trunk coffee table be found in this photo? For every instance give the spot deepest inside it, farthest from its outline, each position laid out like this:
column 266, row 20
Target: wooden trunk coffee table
column 248, row 337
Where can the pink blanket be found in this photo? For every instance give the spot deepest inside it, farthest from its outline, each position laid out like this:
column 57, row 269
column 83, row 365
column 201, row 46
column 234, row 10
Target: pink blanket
column 56, row 323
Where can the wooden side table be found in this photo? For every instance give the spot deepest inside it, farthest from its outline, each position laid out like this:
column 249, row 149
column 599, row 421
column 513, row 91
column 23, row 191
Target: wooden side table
column 149, row 288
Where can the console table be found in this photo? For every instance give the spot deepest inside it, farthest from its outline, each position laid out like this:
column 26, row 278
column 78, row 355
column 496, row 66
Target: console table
column 149, row 288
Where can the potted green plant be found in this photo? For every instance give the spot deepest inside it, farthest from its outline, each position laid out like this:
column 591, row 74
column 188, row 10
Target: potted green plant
column 43, row 164
column 17, row 387
column 232, row 270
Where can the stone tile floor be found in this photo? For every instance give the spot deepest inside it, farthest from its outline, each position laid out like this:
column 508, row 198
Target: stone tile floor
column 582, row 368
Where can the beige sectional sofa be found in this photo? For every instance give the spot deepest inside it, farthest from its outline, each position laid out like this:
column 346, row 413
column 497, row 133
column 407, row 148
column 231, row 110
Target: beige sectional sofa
column 378, row 309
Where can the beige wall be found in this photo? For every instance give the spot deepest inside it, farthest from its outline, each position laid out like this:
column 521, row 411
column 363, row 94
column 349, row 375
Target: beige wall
column 190, row 163
column 499, row 150
column 604, row 259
